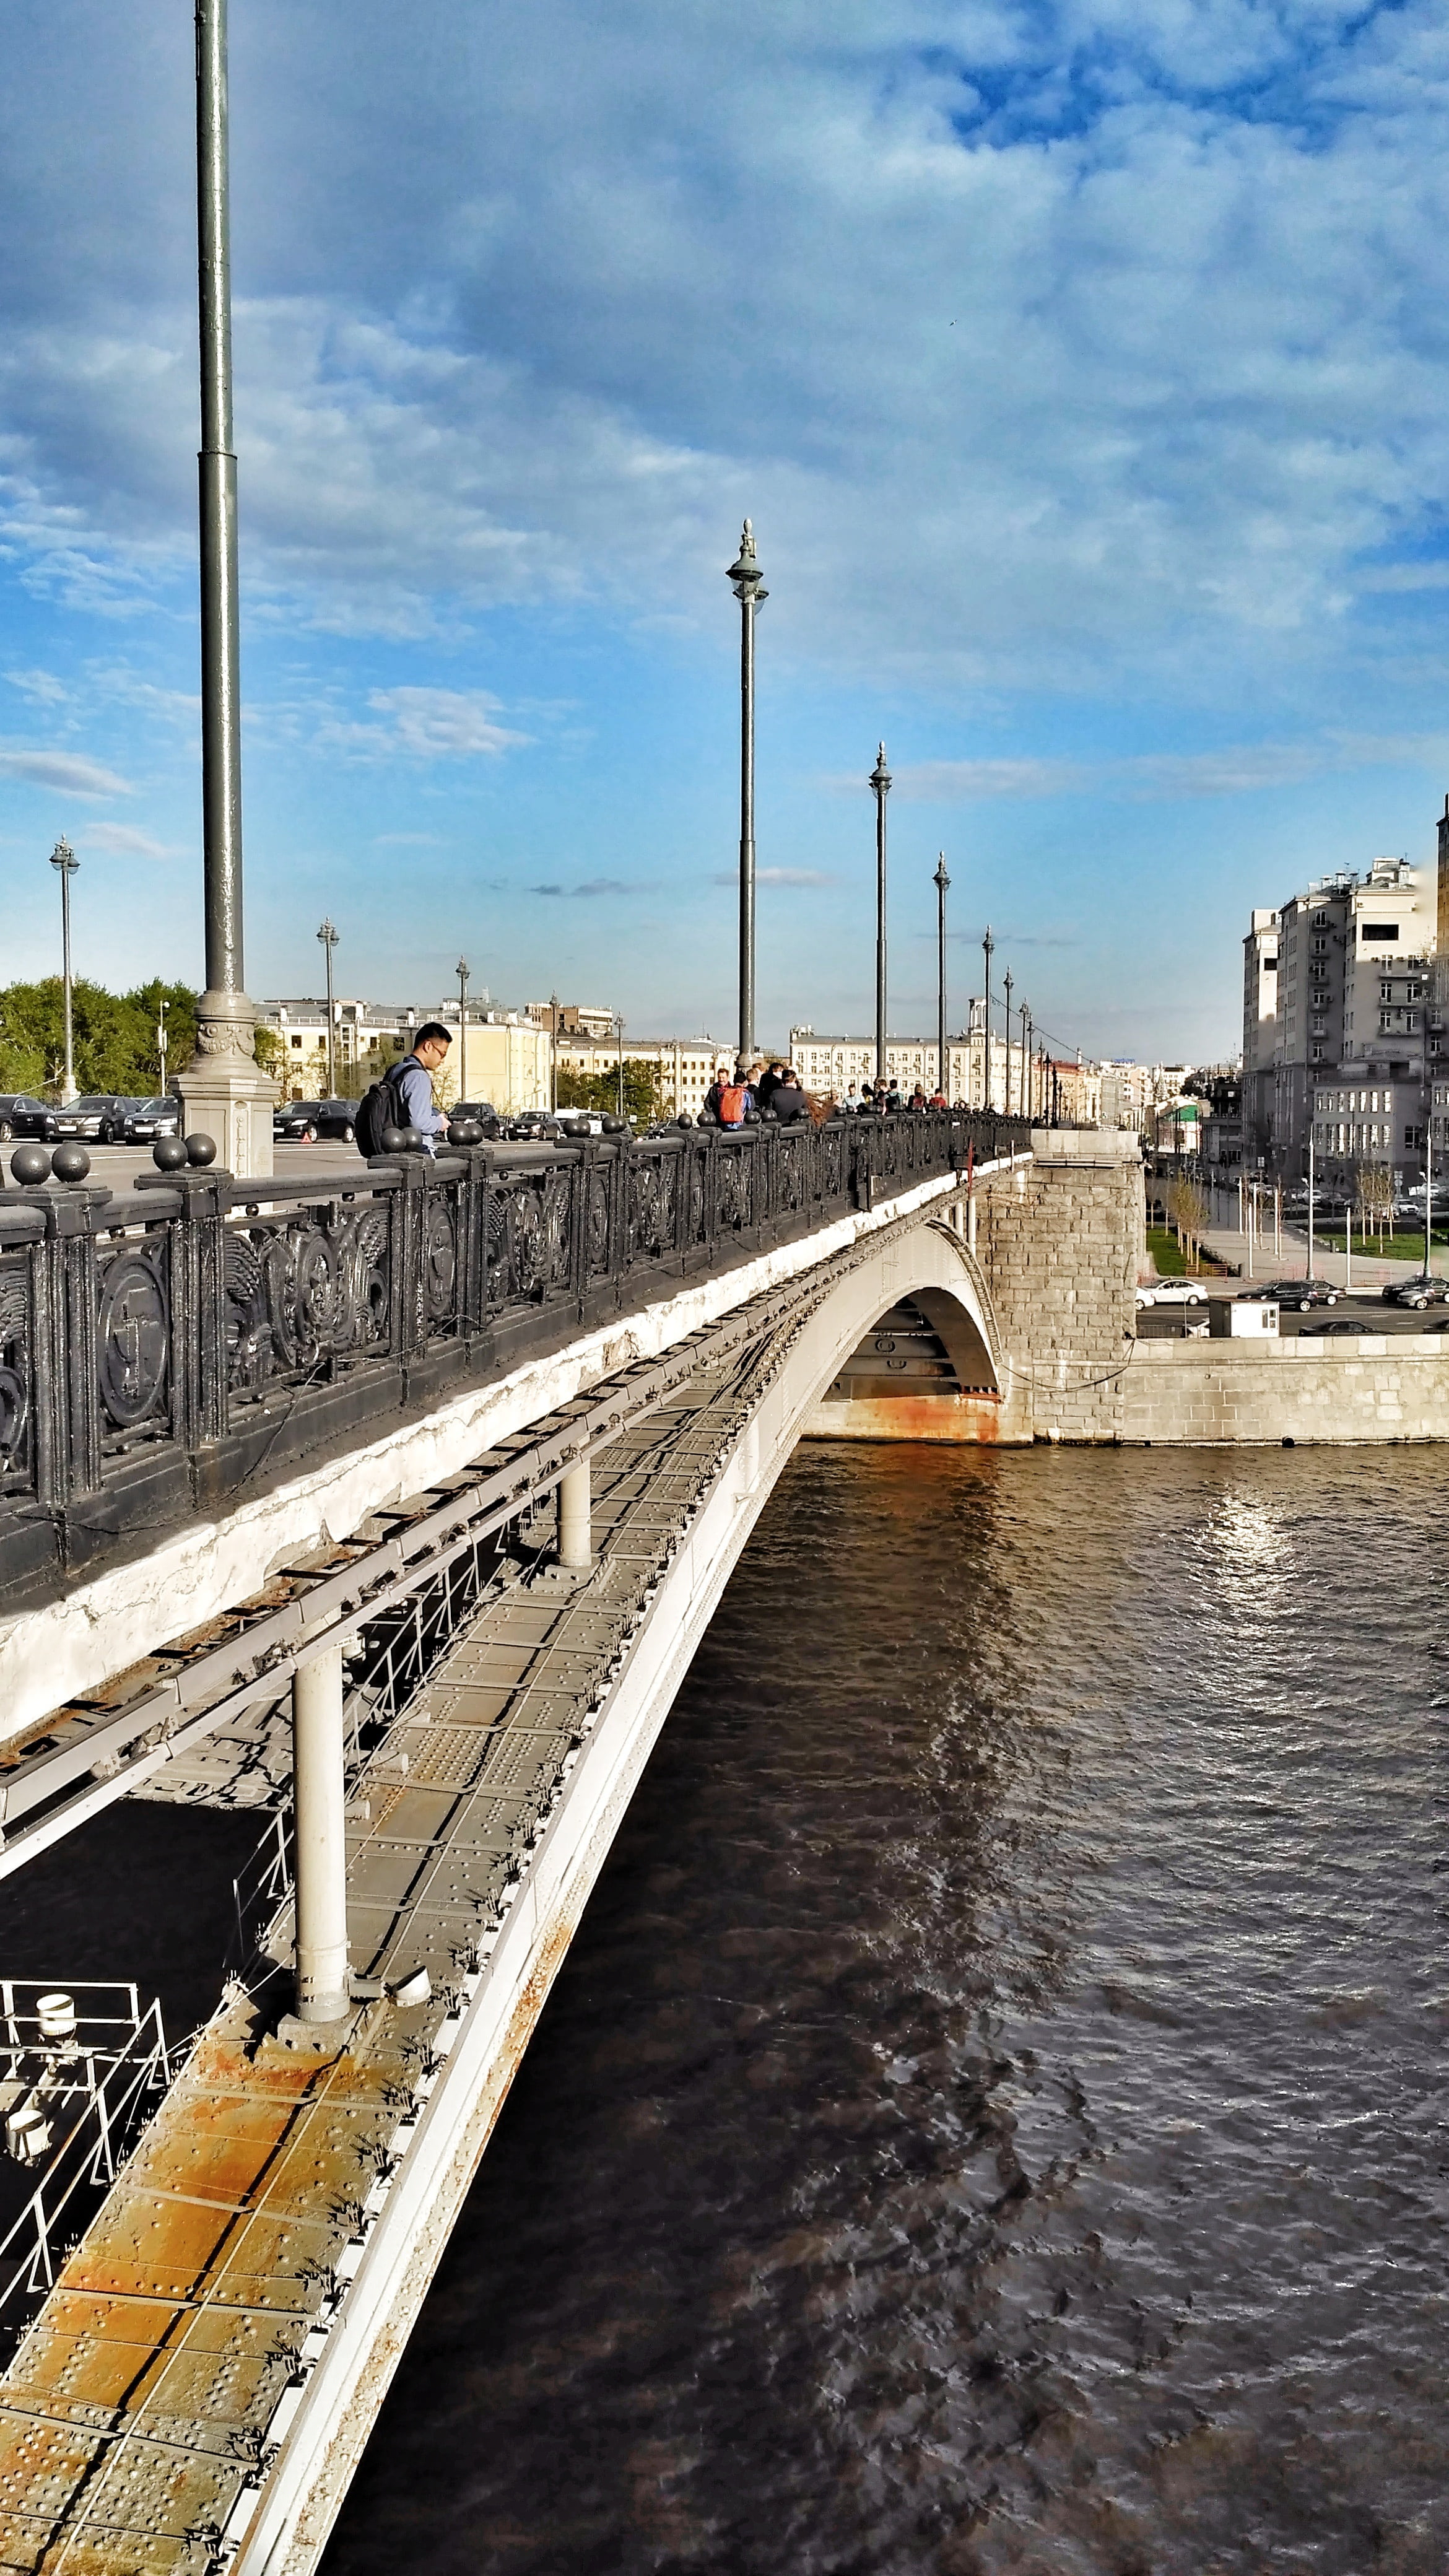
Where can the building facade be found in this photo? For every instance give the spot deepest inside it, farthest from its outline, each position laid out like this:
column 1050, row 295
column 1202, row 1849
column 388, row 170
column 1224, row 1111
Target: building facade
column 494, row 1055
column 829, row 1064
column 1337, row 992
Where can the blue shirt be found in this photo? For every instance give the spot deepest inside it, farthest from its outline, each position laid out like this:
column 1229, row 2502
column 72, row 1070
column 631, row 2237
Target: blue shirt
column 415, row 1085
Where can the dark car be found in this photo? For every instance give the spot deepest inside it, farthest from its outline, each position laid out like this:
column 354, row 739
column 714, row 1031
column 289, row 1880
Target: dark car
column 1301, row 1293
column 1335, row 1324
column 143, row 1120
column 20, row 1115
column 1426, row 1290
column 87, row 1118
column 305, row 1120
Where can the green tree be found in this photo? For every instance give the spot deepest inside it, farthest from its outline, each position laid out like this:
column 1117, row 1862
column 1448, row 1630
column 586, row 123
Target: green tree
column 643, row 1091
column 115, row 1035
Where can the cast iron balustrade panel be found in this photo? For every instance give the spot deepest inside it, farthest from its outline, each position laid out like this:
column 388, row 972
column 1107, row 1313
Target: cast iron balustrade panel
column 150, row 1367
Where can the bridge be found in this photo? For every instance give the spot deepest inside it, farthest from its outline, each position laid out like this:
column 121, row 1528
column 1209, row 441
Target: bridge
column 394, row 1507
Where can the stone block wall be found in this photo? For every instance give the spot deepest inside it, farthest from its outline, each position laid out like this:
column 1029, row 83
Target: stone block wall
column 1381, row 1387
column 1057, row 1243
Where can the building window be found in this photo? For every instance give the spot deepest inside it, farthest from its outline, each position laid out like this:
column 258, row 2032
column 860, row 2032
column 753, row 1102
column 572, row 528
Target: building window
column 297, row 1042
column 1380, row 930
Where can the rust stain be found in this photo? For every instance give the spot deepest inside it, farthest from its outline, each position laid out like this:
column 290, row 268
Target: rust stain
column 955, row 1417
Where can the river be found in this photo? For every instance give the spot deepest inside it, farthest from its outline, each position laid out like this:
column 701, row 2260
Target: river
column 992, row 2116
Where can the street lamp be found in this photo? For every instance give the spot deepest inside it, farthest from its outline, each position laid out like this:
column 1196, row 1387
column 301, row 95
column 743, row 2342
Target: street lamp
column 619, row 1024
column 1006, row 980
column 162, row 1008
column 553, row 1053
column 224, row 1087
column 941, row 882
column 1025, row 1009
column 462, row 973
column 64, row 859
column 328, row 937
column 988, row 944
column 749, row 590
column 880, row 780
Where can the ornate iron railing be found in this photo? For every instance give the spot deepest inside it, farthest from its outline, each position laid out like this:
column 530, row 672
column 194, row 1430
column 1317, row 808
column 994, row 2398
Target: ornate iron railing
column 155, row 1364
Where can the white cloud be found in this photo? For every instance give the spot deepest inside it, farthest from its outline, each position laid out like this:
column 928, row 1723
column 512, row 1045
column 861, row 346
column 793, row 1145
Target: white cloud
column 39, row 688
column 1237, row 770
column 65, row 770
column 123, row 841
column 778, row 877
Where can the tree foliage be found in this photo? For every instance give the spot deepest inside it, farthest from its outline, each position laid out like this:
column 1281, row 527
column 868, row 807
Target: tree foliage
column 115, row 1035
column 643, row 1092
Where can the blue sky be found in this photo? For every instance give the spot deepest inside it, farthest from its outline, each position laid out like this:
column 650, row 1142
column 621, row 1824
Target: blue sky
column 1083, row 368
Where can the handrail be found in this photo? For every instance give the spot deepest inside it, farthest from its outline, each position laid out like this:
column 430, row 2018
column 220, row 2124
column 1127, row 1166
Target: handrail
column 163, row 1357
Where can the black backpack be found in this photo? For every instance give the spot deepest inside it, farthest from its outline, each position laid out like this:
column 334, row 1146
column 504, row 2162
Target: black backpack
column 380, row 1107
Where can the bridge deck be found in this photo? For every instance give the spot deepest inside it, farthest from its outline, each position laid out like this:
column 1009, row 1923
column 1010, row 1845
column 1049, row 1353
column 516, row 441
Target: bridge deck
column 146, row 2405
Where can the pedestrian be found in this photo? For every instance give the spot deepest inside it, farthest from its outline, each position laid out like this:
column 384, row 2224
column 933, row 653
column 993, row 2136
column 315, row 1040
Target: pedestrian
column 768, row 1085
column 893, row 1094
column 918, row 1097
column 852, row 1099
column 789, row 1102
column 730, row 1099
column 413, row 1083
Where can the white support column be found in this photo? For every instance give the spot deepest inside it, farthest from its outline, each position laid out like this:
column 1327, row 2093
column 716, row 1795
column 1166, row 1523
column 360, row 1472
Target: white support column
column 575, row 1518
column 322, row 1986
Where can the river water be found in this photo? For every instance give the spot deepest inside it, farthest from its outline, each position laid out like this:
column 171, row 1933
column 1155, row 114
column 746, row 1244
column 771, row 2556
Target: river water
column 993, row 2114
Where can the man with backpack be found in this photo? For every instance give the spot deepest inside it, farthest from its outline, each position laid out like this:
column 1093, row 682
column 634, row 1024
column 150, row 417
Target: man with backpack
column 404, row 1096
column 728, row 1101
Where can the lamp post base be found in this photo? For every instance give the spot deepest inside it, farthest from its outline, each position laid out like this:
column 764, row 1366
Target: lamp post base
column 224, row 1091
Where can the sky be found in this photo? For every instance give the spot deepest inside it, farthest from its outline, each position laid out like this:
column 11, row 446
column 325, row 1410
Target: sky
column 1082, row 367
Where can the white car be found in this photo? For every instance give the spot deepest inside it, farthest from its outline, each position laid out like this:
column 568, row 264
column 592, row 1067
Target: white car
column 1173, row 1292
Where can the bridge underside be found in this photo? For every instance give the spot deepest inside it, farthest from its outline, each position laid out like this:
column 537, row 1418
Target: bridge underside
column 922, row 1372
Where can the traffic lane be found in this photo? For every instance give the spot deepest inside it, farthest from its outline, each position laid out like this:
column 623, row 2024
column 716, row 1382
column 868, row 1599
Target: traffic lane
column 1367, row 1315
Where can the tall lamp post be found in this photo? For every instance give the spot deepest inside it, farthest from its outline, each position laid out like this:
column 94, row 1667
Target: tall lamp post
column 64, row 859
column 942, row 884
column 553, row 1053
column 880, row 780
column 619, row 1023
column 987, row 945
column 328, row 937
column 224, row 1089
column 749, row 590
column 462, row 974
column 161, row 1010
column 1025, row 1104
column 1006, row 982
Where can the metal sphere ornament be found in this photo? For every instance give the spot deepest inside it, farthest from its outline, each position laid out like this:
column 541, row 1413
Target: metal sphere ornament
column 30, row 1166
column 70, row 1162
column 169, row 1154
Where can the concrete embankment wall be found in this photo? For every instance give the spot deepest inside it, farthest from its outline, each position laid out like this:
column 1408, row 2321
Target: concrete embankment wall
column 1378, row 1387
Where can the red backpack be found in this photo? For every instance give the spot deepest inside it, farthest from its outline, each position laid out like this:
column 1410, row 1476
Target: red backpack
column 732, row 1105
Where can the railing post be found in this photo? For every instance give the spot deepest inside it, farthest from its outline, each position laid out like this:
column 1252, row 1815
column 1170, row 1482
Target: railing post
column 197, row 1279
column 320, row 1851
column 473, row 1242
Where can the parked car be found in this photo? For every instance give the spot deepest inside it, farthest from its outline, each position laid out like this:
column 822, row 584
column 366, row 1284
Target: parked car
column 1301, row 1293
column 20, row 1115
column 144, row 1120
column 1334, row 1324
column 1173, row 1292
column 1426, row 1290
column 86, row 1118
column 305, row 1120
column 482, row 1110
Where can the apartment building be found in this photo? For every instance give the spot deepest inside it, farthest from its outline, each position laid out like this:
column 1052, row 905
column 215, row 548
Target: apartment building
column 828, row 1064
column 1337, row 983
column 684, row 1067
column 494, row 1055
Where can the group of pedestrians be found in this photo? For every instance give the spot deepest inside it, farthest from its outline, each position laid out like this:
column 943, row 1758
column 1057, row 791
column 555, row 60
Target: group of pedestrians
column 886, row 1097
column 734, row 1100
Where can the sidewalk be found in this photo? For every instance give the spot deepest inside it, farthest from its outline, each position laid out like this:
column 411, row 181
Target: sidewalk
column 1366, row 1269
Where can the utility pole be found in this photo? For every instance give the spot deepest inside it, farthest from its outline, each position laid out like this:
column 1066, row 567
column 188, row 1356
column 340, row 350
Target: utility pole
column 880, row 780
column 942, row 884
column 988, row 944
column 328, row 937
column 749, row 590
column 1006, row 982
column 224, row 1089
column 463, row 971
column 64, row 859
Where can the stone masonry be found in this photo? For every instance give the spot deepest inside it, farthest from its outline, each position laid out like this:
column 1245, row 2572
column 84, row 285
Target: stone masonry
column 1058, row 1243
